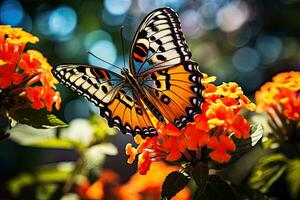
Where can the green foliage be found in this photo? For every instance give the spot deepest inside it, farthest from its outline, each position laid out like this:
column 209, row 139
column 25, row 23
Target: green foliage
column 90, row 142
column 269, row 169
column 37, row 118
column 48, row 174
column 293, row 177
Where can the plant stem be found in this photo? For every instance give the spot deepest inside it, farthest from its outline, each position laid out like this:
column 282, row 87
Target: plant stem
column 70, row 181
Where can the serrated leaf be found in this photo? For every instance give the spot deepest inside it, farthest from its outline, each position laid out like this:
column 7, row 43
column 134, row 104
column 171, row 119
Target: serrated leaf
column 37, row 118
column 200, row 175
column 216, row 188
column 268, row 170
column 174, row 183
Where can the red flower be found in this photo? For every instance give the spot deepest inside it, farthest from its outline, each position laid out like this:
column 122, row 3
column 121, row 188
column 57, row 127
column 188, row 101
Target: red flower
column 220, row 148
column 210, row 130
column 8, row 76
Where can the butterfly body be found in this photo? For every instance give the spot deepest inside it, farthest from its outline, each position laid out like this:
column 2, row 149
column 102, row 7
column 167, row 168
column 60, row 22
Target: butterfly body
column 162, row 83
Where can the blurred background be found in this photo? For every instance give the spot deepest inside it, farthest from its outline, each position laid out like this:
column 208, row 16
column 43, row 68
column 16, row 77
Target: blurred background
column 243, row 41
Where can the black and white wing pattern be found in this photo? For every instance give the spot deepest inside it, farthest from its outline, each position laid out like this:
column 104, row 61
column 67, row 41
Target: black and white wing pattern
column 107, row 90
column 160, row 55
column 159, row 43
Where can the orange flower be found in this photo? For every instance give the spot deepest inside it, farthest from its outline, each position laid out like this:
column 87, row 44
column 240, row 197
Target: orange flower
column 211, row 130
column 27, row 74
column 221, row 148
column 281, row 94
column 106, row 187
column 149, row 186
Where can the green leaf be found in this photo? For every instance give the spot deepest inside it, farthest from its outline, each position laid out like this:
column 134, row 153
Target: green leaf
column 216, row 188
column 245, row 145
column 37, row 118
column 174, row 183
column 45, row 191
column 293, row 178
column 22, row 180
column 268, row 170
column 27, row 135
column 200, row 175
column 54, row 143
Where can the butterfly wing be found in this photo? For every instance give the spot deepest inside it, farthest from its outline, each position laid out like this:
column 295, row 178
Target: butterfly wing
column 159, row 43
column 176, row 92
column 106, row 90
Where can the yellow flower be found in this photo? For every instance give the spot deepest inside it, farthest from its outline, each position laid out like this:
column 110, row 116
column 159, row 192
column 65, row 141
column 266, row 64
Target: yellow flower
column 16, row 35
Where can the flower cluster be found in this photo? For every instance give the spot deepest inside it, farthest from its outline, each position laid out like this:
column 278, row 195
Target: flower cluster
column 138, row 187
column 212, row 131
column 25, row 74
column 282, row 94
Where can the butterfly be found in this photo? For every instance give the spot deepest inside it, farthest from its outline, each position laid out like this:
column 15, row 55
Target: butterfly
column 162, row 84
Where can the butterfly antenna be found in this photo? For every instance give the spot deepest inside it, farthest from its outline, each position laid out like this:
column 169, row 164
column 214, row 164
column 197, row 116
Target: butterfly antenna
column 122, row 38
column 105, row 61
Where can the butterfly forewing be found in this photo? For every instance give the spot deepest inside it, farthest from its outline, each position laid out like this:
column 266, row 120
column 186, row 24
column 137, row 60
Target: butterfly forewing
column 158, row 43
column 98, row 85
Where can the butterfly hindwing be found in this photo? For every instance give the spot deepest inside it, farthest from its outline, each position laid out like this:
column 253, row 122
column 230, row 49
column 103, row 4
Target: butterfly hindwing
column 159, row 43
column 176, row 92
column 106, row 90
column 125, row 112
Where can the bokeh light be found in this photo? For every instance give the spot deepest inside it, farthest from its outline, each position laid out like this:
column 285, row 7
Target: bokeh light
column 104, row 49
column 191, row 22
column 245, row 59
column 92, row 37
column 117, row 7
column 111, row 19
column 62, row 21
column 11, row 12
column 233, row 16
column 269, row 48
